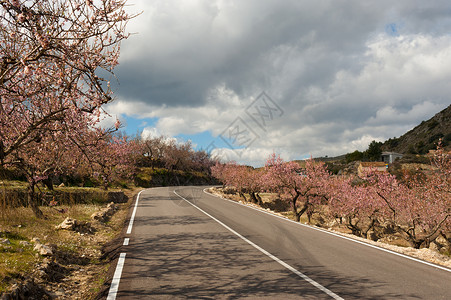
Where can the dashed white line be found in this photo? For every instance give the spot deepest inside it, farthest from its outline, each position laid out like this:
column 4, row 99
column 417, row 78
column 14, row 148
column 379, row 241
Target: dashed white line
column 281, row 262
column 112, row 293
column 116, row 278
column 132, row 219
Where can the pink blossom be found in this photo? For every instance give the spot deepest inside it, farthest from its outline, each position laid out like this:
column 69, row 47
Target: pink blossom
column 15, row 3
column 21, row 18
column 117, row 124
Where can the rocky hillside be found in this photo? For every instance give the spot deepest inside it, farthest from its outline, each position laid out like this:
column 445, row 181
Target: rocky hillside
column 423, row 137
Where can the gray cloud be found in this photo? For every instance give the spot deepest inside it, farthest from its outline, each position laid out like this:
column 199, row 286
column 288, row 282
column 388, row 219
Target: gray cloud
column 182, row 54
column 343, row 71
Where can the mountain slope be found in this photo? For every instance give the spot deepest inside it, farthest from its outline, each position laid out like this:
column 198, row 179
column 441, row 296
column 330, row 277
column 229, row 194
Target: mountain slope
column 423, row 137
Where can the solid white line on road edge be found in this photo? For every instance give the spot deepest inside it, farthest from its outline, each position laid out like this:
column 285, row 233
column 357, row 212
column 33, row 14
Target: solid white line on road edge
column 303, row 276
column 130, row 224
column 116, row 278
column 337, row 235
column 126, row 240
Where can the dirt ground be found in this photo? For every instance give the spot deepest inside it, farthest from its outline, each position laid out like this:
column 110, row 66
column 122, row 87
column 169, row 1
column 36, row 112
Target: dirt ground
column 79, row 263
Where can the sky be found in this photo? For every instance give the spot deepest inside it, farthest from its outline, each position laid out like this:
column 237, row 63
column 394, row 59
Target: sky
column 242, row 79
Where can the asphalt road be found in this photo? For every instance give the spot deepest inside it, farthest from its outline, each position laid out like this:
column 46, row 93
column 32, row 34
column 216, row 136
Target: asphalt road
column 205, row 247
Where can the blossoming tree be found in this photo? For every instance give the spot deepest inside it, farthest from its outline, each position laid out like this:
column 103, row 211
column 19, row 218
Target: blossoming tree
column 53, row 55
column 305, row 189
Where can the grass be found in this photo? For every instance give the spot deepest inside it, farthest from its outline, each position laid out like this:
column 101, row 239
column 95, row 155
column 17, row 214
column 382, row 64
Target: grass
column 15, row 260
column 19, row 224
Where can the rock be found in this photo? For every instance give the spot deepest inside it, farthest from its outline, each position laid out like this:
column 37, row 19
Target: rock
column 43, row 250
column 27, row 290
column 5, row 242
column 105, row 214
column 24, row 244
column 112, row 206
column 67, row 224
column 443, row 244
column 36, row 240
column 371, row 235
column 52, row 271
column 442, row 241
column 386, row 239
column 75, row 225
column 7, row 248
column 434, row 247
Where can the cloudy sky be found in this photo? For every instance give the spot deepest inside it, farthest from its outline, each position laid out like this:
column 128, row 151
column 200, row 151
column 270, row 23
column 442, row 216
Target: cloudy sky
column 244, row 78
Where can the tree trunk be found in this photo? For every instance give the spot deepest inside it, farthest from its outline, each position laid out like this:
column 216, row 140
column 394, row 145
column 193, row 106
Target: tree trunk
column 32, row 201
column 295, row 210
column 253, row 197
column 309, row 216
column 48, row 183
column 353, row 227
column 259, row 199
column 297, row 213
column 243, row 196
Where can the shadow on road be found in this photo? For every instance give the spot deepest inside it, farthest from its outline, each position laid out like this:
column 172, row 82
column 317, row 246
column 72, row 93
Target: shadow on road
column 196, row 259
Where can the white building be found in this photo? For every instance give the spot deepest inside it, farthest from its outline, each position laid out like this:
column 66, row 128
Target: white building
column 390, row 157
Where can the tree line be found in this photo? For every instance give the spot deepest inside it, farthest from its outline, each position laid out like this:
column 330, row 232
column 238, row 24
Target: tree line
column 416, row 205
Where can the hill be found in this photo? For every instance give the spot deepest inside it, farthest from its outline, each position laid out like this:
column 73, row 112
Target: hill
column 423, row 137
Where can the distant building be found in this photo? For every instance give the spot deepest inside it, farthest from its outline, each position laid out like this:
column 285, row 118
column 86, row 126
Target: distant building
column 390, row 157
column 366, row 166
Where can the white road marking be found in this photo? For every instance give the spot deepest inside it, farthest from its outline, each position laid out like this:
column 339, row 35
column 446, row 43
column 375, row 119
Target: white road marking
column 281, row 262
column 336, row 234
column 116, row 278
column 130, row 224
column 120, row 263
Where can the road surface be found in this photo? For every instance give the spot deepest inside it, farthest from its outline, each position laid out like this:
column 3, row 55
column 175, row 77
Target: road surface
column 186, row 244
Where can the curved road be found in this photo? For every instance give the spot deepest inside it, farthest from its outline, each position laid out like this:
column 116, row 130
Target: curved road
column 184, row 243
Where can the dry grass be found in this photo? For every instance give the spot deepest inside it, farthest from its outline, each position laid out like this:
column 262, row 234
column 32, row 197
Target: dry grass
column 83, row 251
column 20, row 224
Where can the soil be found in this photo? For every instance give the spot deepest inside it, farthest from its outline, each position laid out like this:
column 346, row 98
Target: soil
column 80, row 273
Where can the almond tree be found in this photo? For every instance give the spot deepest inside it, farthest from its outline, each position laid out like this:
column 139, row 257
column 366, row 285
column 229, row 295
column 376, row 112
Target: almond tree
column 254, row 181
column 65, row 148
column 218, row 172
column 232, row 174
column 303, row 189
column 419, row 207
column 235, row 175
column 113, row 158
column 152, row 149
column 52, row 56
column 354, row 204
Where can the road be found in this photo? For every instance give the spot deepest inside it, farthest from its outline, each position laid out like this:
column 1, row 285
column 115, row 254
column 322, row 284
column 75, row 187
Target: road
column 205, row 247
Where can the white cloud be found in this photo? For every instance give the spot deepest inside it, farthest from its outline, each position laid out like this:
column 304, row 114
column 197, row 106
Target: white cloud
column 340, row 77
column 252, row 156
column 150, row 133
